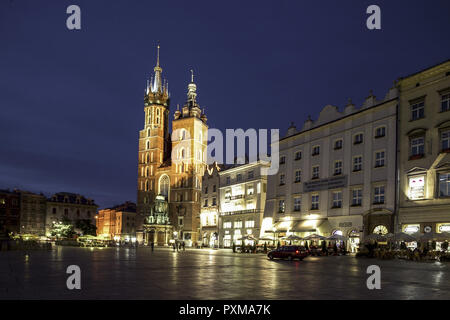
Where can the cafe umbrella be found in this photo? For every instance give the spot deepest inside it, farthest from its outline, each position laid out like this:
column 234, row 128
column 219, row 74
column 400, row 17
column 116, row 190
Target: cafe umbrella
column 337, row 237
column 401, row 237
column 314, row 237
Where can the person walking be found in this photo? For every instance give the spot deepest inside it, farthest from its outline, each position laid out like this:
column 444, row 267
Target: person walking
column 173, row 245
column 152, row 245
column 184, row 246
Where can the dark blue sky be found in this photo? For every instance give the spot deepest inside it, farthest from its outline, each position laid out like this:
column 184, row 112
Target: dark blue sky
column 71, row 102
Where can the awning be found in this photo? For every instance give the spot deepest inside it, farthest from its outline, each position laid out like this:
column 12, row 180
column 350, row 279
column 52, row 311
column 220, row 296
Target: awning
column 308, row 225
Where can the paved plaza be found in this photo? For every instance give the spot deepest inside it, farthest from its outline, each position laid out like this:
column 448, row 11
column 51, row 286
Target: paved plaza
column 121, row 273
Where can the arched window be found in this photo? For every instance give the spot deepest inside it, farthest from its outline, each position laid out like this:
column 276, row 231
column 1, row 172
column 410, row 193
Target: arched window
column 147, row 172
column 148, row 131
column 338, row 232
column 182, row 153
column 380, row 230
column 146, row 185
column 164, row 186
column 148, row 144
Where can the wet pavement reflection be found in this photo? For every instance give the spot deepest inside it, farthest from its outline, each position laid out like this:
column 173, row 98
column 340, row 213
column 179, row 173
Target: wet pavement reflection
column 127, row 273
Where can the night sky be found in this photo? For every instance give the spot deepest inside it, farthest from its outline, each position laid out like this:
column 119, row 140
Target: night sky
column 71, row 102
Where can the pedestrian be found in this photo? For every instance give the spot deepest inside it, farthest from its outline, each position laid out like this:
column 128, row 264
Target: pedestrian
column 183, row 245
column 173, row 245
column 152, row 245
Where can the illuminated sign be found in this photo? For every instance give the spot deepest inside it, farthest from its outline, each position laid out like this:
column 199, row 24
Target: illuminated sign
column 444, row 228
column 411, row 229
column 417, row 187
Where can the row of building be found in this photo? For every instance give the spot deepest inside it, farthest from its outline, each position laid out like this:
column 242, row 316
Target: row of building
column 383, row 167
column 30, row 213
column 378, row 168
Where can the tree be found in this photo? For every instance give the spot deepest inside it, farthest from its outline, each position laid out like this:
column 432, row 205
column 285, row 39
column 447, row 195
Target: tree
column 86, row 227
column 62, row 229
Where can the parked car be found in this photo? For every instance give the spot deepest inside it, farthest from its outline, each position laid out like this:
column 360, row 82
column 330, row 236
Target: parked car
column 289, row 252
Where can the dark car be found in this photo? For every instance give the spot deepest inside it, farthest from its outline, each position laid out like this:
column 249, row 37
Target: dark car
column 288, row 252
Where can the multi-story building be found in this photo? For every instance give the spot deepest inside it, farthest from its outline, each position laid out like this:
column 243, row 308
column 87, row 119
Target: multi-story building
column 117, row 223
column 337, row 174
column 242, row 197
column 9, row 212
column 210, row 201
column 170, row 166
column 69, row 206
column 32, row 213
column 424, row 150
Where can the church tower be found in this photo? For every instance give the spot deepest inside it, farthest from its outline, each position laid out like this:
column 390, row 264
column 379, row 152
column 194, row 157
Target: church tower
column 189, row 142
column 154, row 147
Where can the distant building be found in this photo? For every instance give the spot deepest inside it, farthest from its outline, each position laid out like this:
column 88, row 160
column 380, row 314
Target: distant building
column 242, row 198
column 9, row 212
column 32, row 212
column 117, row 223
column 210, row 204
column 70, row 206
column 424, row 150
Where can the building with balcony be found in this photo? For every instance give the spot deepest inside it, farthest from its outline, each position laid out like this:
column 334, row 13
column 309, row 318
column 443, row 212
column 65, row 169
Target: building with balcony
column 424, row 150
column 337, row 174
column 242, row 197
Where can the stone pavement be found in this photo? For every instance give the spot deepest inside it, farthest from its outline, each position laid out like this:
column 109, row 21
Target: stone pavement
column 121, row 273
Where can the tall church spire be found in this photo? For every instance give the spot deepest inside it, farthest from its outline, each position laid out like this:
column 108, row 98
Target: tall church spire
column 157, row 85
column 192, row 91
column 158, row 89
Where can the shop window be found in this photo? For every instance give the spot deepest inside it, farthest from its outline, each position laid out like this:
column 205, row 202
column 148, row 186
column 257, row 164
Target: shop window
column 416, row 187
column 444, row 184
